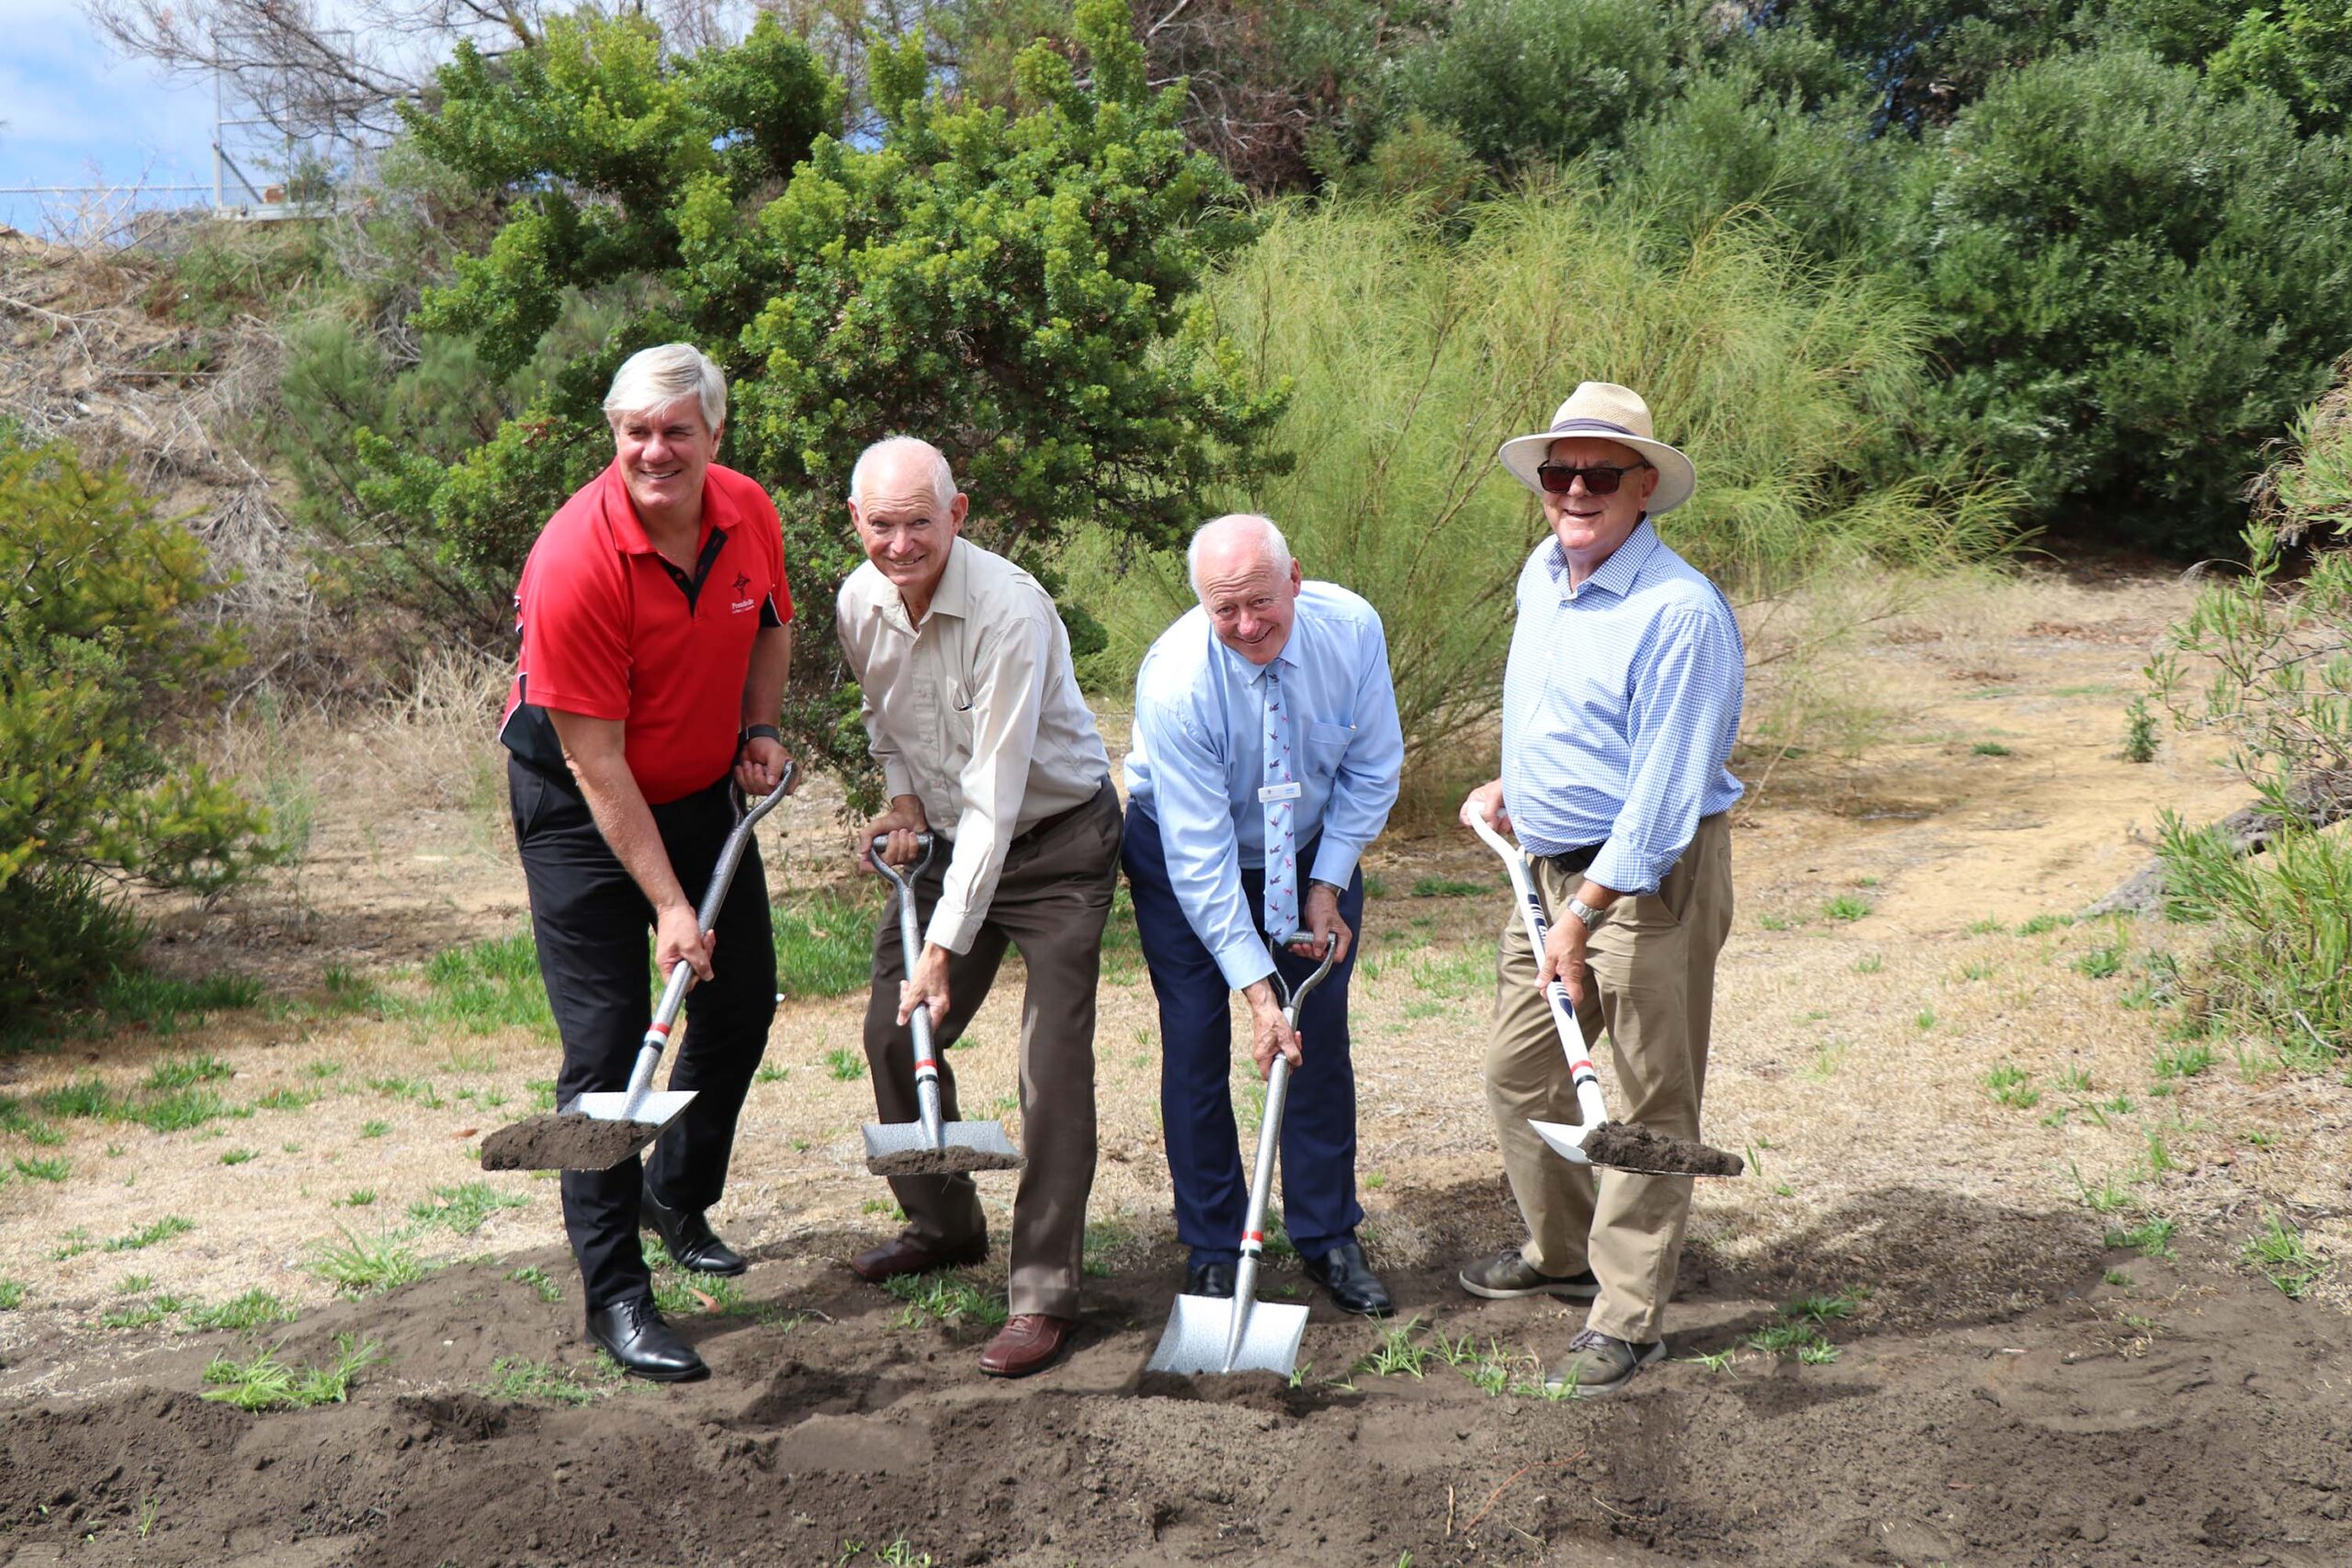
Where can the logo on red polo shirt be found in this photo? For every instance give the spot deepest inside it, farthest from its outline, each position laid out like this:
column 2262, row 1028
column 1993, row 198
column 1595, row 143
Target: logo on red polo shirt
column 743, row 587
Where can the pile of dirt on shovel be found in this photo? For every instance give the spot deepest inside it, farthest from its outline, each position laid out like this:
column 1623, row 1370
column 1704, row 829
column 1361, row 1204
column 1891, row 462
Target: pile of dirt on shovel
column 570, row 1141
column 1631, row 1148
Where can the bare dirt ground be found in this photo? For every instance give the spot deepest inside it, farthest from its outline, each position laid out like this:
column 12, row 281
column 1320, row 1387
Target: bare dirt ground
column 1952, row 1116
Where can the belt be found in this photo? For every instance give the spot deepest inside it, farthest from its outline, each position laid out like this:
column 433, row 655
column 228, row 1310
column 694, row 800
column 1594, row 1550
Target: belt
column 1044, row 825
column 1570, row 862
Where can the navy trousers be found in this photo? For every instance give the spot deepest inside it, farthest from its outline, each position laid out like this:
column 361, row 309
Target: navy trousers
column 1318, row 1138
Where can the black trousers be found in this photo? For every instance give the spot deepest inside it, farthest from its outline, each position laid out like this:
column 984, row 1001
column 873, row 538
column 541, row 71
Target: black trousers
column 591, row 926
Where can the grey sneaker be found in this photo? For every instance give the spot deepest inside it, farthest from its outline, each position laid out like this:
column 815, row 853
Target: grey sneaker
column 1506, row 1276
column 1598, row 1364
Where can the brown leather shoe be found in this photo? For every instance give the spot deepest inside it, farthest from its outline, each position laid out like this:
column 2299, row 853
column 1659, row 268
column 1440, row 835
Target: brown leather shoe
column 1027, row 1343
column 900, row 1256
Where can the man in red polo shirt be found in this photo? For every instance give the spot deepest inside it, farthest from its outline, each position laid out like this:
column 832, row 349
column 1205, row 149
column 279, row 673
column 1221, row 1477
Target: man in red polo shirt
column 656, row 637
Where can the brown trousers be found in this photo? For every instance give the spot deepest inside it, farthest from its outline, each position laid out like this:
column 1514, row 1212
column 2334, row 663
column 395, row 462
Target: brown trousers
column 1050, row 904
column 1653, row 964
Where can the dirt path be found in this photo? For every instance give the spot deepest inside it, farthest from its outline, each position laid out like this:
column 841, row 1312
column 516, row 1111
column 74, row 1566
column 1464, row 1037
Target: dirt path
column 1948, row 1105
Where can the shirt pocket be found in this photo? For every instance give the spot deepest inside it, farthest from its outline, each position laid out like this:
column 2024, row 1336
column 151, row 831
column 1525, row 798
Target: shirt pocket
column 1326, row 743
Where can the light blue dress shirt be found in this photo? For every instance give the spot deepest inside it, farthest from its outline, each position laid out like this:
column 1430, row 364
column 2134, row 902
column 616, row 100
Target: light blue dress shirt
column 1621, row 703
column 1197, row 759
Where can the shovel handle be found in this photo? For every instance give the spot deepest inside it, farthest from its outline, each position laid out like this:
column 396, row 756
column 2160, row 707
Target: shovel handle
column 1591, row 1107
column 1294, row 1001
column 682, row 974
column 934, row 1127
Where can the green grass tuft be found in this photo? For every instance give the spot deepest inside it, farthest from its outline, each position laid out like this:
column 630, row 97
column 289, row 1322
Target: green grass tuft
column 516, row 1378
column 186, row 1072
column 55, row 1170
column 85, row 1098
column 844, row 1064
column 464, row 1207
column 148, row 1236
column 255, row 1309
column 184, row 1110
column 949, row 1300
column 1450, row 888
column 263, row 1382
column 1847, row 907
column 368, row 1266
column 824, row 944
column 2280, row 1255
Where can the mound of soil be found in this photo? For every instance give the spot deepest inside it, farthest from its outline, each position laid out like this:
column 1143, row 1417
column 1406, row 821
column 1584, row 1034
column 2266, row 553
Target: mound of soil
column 2075, row 1423
column 570, row 1141
column 1630, row 1147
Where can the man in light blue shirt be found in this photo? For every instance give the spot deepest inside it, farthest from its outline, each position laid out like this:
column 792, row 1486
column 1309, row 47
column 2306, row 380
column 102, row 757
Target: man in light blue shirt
column 1266, row 756
column 1620, row 702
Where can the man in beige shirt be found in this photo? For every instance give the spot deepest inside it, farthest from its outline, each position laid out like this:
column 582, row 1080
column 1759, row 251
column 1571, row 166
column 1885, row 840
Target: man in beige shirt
column 972, row 708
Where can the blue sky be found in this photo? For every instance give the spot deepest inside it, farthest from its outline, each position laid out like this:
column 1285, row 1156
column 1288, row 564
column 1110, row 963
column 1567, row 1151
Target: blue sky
column 68, row 106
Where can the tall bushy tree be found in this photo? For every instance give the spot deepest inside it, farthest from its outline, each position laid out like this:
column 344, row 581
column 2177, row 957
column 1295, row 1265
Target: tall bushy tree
column 2140, row 277
column 1012, row 283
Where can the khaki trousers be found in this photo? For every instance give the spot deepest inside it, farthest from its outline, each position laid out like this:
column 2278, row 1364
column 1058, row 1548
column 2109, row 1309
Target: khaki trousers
column 1653, row 964
column 1050, row 903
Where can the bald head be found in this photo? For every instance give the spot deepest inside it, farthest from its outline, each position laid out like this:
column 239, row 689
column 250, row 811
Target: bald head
column 902, row 497
column 1245, row 577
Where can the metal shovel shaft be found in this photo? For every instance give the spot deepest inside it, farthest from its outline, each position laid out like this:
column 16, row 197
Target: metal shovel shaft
column 1591, row 1107
column 1253, row 1228
column 682, row 974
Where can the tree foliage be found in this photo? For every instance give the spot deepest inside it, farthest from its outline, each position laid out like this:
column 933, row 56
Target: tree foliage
column 1012, row 283
column 2140, row 279
column 101, row 664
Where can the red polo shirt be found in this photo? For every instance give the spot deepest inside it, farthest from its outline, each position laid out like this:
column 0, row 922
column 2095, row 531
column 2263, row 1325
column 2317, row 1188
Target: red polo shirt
column 610, row 629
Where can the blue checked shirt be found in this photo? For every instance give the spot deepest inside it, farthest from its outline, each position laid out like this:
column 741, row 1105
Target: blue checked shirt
column 1198, row 759
column 1621, row 703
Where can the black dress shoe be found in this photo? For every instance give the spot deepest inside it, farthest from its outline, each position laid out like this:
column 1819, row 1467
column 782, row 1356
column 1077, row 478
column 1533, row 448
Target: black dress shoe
column 1213, row 1279
column 633, row 1332
column 692, row 1243
column 1354, row 1286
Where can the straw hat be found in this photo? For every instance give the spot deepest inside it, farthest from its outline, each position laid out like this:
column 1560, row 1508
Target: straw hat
column 1610, row 412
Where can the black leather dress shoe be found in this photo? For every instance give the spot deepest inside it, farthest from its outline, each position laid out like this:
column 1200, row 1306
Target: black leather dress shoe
column 1212, row 1278
column 1354, row 1286
column 633, row 1332
column 692, row 1243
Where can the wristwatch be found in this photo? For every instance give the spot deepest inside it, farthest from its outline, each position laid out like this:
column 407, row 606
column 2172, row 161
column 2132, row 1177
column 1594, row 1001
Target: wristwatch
column 1315, row 882
column 759, row 732
column 1584, row 912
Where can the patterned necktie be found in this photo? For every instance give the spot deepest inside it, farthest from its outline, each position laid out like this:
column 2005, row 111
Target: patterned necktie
column 1278, row 798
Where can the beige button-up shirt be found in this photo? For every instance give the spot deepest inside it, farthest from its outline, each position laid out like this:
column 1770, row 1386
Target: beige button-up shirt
column 976, row 713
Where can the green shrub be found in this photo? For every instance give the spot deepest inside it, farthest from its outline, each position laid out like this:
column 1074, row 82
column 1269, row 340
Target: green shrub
column 1526, row 81
column 1412, row 357
column 2265, row 660
column 100, row 660
column 2137, row 277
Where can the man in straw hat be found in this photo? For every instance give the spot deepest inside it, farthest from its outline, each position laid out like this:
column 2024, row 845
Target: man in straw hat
column 1621, row 701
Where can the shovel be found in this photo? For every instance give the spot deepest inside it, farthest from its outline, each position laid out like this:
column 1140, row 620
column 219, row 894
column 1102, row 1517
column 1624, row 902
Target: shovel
column 599, row 1130
column 929, row 1146
column 1246, row 1335
column 1596, row 1140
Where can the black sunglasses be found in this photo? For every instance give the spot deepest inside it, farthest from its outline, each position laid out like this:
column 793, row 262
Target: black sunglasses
column 1600, row 479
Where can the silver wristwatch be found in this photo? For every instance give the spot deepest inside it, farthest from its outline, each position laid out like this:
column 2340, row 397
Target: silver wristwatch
column 1584, row 912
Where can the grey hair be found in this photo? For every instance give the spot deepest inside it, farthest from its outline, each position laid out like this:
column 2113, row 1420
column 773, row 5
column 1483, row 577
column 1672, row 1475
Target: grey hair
column 656, row 378
column 942, row 478
column 1241, row 527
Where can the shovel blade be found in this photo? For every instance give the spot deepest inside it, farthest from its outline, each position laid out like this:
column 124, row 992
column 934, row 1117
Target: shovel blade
column 592, row 1134
column 1567, row 1142
column 900, row 1148
column 1201, row 1328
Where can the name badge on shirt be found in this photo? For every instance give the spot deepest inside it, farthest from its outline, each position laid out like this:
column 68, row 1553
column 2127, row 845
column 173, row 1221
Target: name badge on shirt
column 1273, row 793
